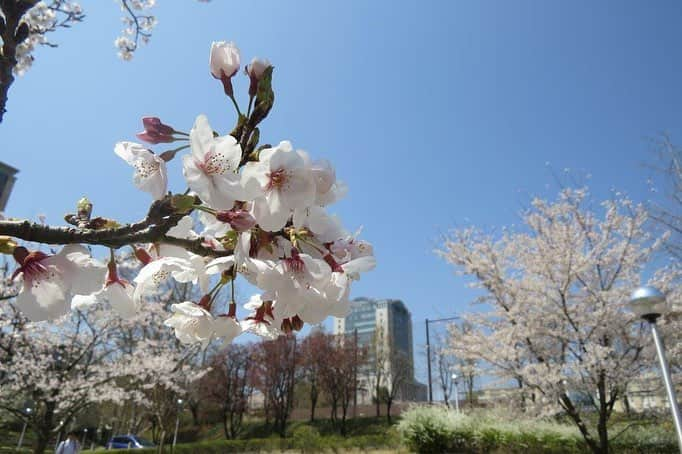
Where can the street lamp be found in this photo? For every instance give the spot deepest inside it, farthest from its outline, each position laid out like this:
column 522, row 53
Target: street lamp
column 59, row 434
column 177, row 423
column 649, row 303
column 454, row 380
column 428, row 350
column 7, row 180
column 28, row 411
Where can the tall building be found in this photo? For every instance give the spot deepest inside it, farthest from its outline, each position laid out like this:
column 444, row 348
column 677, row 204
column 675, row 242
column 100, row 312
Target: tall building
column 383, row 326
column 7, row 179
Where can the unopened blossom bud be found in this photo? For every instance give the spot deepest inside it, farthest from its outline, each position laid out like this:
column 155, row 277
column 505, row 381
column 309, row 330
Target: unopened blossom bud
column 286, row 326
column 112, row 273
column 239, row 220
column 143, row 256
column 84, row 207
column 224, row 63
column 205, row 302
column 7, row 245
column 296, row 323
column 155, row 131
column 255, row 71
column 20, row 253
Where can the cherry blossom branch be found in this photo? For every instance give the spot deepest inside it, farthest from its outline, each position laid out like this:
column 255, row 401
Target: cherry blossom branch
column 141, row 25
column 12, row 35
column 153, row 229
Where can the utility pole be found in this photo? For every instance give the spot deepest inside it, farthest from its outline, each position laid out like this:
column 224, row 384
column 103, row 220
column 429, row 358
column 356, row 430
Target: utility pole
column 428, row 350
column 355, row 373
column 428, row 360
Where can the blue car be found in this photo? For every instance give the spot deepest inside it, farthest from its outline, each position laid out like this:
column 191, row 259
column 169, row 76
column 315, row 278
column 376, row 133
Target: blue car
column 128, row 441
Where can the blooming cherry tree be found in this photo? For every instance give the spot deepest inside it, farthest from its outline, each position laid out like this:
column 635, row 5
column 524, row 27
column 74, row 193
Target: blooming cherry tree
column 60, row 368
column 259, row 211
column 556, row 292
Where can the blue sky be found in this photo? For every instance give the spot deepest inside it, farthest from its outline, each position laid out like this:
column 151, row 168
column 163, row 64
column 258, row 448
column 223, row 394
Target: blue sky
column 437, row 114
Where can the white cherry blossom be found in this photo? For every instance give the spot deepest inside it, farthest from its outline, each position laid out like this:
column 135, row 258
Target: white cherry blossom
column 279, row 183
column 211, row 170
column 50, row 281
column 156, row 272
column 150, row 170
column 193, row 323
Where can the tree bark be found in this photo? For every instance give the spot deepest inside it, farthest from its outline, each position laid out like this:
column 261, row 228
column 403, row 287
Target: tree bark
column 313, row 404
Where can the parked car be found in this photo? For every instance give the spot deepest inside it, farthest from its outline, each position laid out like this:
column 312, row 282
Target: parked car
column 128, row 441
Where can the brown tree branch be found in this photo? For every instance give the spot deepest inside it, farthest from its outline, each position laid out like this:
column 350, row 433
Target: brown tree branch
column 153, row 229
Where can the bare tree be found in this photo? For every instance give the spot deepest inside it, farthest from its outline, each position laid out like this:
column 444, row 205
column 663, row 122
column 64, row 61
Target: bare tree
column 228, row 385
column 445, row 367
column 274, row 376
column 313, row 355
column 339, row 375
column 398, row 378
column 375, row 369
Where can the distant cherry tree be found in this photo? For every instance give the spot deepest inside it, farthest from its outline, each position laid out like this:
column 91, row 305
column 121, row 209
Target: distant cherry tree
column 554, row 292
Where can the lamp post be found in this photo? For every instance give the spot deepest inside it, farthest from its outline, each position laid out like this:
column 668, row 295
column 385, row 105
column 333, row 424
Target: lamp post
column 649, row 303
column 28, row 411
column 177, row 423
column 454, row 380
column 59, row 434
column 428, row 350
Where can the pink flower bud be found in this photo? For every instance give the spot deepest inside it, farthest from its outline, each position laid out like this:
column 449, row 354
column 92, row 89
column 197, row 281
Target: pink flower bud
column 155, row 131
column 239, row 220
column 205, row 302
column 143, row 256
column 224, row 63
column 255, row 71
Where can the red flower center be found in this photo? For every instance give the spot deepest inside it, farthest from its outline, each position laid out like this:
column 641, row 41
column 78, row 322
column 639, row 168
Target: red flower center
column 277, row 179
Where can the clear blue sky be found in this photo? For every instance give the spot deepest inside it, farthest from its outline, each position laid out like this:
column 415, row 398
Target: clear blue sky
column 436, row 113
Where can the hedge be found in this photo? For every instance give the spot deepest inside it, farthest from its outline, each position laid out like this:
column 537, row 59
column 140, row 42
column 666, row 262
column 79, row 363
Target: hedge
column 437, row 429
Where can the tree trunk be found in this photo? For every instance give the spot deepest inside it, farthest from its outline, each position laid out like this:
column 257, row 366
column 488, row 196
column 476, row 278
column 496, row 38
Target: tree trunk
column 13, row 12
column 626, row 404
column 603, row 415
column 334, row 410
column 378, row 399
column 389, row 402
column 194, row 409
column 283, row 428
column 45, row 429
column 343, row 420
column 575, row 416
column 40, row 443
column 161, row 441
column 228, row 434
column 313, row 404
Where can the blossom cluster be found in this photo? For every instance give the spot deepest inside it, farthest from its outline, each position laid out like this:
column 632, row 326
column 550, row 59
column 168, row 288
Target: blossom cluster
column 43, row 18
column 138, row 26
column 256, row 211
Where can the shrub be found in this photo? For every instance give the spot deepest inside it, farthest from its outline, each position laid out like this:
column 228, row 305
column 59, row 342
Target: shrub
column 430, row 429
column 437, row 429
column 306, row 438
